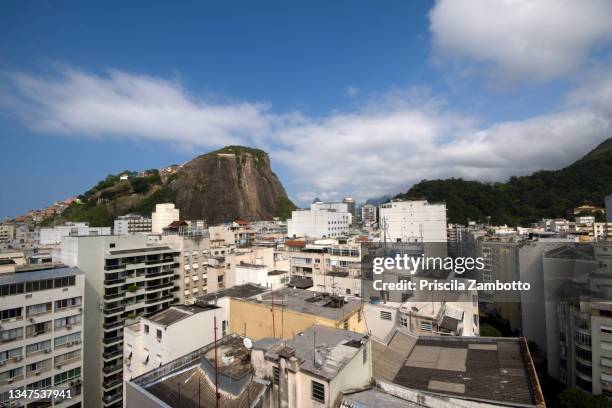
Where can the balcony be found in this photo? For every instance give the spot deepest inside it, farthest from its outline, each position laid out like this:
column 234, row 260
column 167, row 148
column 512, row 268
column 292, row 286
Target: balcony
column 110, row 341
column 112, row 398
column 108, row 384
column 117, row 365
column 113, row 325
column 160, row 286
column 114, row 267
column 113, row 310
column 119, row 294
column 111, row 355
column 116, row 281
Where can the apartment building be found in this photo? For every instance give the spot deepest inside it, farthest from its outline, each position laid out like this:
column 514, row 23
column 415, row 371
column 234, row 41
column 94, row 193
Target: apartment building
column 132, row 224
column 54, row 235
column 164, row 215
column 413, row 221
column 317, row 224
column 578, row 316
column 192, row 264
column 239, row 233
column 160, row 338
column 41, row 334
column 127, row 276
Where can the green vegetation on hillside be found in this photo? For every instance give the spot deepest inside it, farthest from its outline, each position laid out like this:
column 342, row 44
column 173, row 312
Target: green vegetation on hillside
column 526, row 199
column 285, row 206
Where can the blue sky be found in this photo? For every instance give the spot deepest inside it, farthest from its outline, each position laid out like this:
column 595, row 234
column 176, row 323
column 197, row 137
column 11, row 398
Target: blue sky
column 349, row 98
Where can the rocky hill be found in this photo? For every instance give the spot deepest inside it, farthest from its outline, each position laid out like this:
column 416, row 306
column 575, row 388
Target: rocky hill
column 230, row 183
column 526, row 199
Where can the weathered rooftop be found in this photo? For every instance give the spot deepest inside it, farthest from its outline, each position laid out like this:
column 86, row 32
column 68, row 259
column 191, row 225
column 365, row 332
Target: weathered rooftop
column 475, row 368
column 309, row 302
column 178, row 313
column 334, row 349
column 239, row 291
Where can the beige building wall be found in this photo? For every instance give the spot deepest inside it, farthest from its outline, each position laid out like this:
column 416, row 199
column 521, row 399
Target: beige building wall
column 255, row 320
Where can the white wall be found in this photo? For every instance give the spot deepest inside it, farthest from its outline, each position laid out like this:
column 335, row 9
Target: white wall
column 411, row 221
column 318, row 224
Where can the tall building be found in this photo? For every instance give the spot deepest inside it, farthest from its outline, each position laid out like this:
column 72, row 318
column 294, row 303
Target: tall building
column 127, row 276
column 131, row 224
column 164, row 215
column 41, row 334
column 413, row 221
column 369, row 214
column 352, row 208
column 579, row 327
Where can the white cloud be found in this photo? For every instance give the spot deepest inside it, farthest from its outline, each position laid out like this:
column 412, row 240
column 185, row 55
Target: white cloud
column 521, row 39
column 384, row 147
column 123, row 104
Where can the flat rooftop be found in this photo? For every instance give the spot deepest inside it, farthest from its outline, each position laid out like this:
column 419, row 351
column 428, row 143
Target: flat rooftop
column 309, row 302
column 34, row 275
column 474, row 368
column 334, row 349
column 140, row 249
column 239, row 291
column 177, row 313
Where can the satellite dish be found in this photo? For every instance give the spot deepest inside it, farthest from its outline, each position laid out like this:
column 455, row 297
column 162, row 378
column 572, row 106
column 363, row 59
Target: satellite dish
column 248, row 343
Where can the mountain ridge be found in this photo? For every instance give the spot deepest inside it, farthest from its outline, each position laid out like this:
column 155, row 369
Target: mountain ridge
column 523, row 199
column 223, row 185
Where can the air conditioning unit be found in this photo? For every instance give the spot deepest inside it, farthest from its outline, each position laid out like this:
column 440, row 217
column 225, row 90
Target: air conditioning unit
column 68, row 327
column 58, row 366
column 69, row 344
column 47, row 351
column 10, row 381
column 32, row 319
column 37, row 373
column 18, row 358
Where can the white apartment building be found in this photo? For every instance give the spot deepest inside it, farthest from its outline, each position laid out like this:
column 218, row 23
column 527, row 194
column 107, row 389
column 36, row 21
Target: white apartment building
column 318, row 224
column 132, row 224
column 41, row 333
column 127, row 276
column 413, row 221
column 54, row 235
column 164, row 215
column 160, row 338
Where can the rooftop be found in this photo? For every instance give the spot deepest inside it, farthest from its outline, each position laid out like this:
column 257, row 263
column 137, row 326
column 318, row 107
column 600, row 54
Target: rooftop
column 177, row 313
column 239, row 291
column 334, row 349
column 474, row 368
column 34, row 275
column 181, row 382
column 309, row 302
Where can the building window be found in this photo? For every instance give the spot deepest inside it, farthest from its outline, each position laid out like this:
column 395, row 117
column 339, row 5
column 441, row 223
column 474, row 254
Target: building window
column 403, row 321
column 384, row 315
column 425, row 326
column 346, row 325
column 11, row 313
column 348, row 291
column 146, row 328
column 276, row 375
column 318, row 391
column 359, row 315
column 365, row 354
column 111, row 245
column 159, row 335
